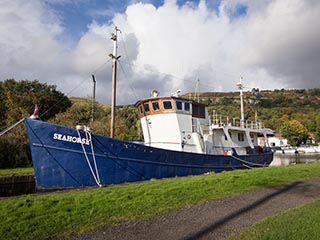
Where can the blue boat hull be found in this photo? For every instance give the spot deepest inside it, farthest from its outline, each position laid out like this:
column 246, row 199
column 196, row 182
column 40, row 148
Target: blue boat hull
column 62, row 159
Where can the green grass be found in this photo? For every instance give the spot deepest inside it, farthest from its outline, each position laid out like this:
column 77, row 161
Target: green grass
column 16, row 171
column 41, row 216
column 296, row 224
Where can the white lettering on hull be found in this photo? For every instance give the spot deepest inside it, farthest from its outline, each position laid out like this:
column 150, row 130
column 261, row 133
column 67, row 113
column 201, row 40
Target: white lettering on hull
column 67, row 138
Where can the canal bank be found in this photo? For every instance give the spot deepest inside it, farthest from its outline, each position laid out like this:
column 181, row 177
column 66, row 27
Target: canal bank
column 291, row 158
column 14, row 185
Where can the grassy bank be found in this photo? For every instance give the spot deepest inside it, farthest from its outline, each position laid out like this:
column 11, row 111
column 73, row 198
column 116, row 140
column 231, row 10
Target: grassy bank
column 37, row 217
column 16, row 171
column 296, row 224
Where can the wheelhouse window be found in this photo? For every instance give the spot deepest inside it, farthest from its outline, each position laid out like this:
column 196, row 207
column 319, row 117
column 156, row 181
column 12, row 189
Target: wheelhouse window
column 240, row 137
column 198, row 110
column 140, row 109
column 187, row 107
column 146, row 107
column 252, row 137
column 155, row 106
column 167, row 105
column 179, row 105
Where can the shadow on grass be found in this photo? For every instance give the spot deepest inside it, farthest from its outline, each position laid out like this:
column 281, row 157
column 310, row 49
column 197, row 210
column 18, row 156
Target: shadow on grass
column 220, row 222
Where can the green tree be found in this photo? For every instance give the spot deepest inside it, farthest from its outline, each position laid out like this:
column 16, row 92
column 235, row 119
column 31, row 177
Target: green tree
column 295, row 132
column 80, row 113
column 17, row 100
column 2, row 106
column 317, row 129
column 20, row 97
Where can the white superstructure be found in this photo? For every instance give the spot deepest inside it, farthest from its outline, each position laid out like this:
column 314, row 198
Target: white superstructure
column 180, row 124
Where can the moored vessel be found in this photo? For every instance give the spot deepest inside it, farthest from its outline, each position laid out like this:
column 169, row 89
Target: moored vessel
column 180, row 139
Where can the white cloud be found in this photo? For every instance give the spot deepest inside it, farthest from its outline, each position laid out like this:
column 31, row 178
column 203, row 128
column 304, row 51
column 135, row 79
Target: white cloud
column 29, row 48
column 274, row 44
column 284, row 40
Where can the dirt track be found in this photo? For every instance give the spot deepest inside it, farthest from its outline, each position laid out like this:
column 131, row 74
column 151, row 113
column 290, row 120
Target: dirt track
column 217, row 219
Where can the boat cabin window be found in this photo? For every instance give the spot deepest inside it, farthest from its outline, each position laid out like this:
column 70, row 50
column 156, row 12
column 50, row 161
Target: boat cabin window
column 198, row 110
column 187, row 107
column 182, row 106
column 146, row 107
column 179, row 105
column 155, row 106
column 252, row 137
column 240, row 137
column 167, row 105
column 140, row 109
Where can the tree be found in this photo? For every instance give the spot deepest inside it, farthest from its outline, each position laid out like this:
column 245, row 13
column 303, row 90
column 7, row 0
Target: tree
column 295, row 132
column 20, row 97
column 17, row 100
column 80, row 113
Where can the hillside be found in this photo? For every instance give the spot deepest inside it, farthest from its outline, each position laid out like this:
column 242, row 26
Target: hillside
column 273, row 107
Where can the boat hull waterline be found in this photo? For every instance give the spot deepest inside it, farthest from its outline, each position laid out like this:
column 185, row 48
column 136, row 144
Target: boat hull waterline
column 64, row 159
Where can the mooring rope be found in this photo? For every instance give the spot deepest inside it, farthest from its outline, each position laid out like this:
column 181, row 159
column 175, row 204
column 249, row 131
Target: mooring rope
column 247, row 162
column 93, row 156
column 88, row 161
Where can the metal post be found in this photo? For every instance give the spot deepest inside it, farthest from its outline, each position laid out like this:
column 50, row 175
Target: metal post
column 93, row 97
column 240, row 86
column 114, row 81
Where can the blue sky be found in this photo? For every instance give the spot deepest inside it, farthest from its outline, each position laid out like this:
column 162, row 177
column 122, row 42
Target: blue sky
column 165, row 45
column 77, row 15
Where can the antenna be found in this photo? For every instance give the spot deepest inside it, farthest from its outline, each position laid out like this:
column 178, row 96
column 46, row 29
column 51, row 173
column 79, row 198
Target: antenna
column 93, row 97
column 240, row 86
column 197, row 91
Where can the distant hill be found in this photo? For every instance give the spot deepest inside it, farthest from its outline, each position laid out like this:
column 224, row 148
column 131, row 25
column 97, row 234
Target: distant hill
column 273, row 107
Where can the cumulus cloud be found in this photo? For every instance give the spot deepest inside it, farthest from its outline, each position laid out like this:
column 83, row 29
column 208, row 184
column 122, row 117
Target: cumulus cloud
column 285, row 42
column 271, row 43
column 28, row 40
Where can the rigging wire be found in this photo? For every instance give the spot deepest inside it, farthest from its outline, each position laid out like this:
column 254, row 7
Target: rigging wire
column 122, row 68
column 73, row 89
column 231, row 75
column 8, row 128
column 194, row 82
column 124, row 47
column 126, row 77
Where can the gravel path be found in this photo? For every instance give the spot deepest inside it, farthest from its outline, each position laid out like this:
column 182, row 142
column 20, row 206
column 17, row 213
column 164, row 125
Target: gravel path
column 217, row 219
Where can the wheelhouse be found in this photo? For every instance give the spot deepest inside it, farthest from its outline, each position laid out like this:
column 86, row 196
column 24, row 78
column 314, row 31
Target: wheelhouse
column 166, row 105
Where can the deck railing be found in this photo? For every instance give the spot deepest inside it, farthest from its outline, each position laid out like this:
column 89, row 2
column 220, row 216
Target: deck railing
column 220, row 120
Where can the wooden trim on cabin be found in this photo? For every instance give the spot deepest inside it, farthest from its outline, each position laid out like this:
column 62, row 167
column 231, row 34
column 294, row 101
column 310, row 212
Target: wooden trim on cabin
column 155, row 110
column 148, row 107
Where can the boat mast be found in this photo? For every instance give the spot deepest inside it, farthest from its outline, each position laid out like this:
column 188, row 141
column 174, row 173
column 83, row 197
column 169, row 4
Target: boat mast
column 114, row 80
column 93, row 97
column 240, row 86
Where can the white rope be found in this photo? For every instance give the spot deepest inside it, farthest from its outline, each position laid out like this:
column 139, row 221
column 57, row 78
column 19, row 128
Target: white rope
column 86, row 156
column 244, row 161
column 94, row 157
column 9, row 128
